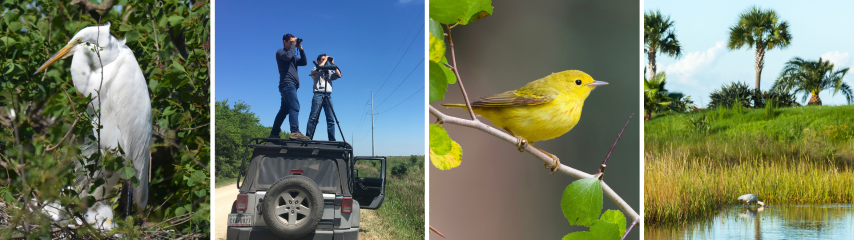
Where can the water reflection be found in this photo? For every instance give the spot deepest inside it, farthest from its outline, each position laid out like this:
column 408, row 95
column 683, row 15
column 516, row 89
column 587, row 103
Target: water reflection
column 797, row 221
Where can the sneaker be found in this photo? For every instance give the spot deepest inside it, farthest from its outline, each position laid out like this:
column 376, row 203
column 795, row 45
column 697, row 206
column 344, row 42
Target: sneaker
column 298, row 136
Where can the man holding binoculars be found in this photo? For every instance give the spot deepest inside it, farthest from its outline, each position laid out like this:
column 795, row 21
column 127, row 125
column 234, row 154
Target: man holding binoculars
column 288, row 61
column 322, row 88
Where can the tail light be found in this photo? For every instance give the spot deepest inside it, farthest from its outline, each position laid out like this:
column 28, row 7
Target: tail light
column 347, row 205
column 242, row 200
column 297, row 171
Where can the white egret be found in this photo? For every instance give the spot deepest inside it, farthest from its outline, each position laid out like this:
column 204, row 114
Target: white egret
column 749, row 198
column 124, row 102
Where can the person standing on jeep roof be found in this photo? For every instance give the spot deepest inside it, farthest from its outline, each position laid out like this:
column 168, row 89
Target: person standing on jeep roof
column 288, row 61
column 322, row 87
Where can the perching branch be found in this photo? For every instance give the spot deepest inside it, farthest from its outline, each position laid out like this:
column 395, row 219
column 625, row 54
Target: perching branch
column 542, row 156
column 457, row 74
column 70, row 129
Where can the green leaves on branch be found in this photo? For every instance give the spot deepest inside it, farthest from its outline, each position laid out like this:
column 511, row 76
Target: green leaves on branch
column 444, row 152
column 459, row 11
column 581, row 205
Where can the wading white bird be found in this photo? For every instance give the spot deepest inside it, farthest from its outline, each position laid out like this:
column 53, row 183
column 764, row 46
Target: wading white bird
column 124, row 102
column 749, row 198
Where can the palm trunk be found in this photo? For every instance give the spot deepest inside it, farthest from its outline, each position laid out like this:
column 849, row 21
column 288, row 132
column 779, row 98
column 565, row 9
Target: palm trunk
column 814, row 100
column 760, row 63
column 651, row 67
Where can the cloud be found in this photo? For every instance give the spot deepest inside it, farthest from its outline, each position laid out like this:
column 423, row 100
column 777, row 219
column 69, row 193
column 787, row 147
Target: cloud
column 685, row 69
column 839, row 59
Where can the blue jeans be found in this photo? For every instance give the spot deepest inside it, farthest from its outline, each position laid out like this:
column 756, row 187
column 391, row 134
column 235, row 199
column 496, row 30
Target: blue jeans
column 315, row 114
column 289, row 107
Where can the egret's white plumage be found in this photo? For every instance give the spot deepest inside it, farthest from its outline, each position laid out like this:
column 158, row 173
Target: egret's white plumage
column 124, row 102
column 750, row 198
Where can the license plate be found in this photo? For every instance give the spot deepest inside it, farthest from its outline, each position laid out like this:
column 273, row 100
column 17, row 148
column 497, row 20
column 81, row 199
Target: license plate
column 240, row 220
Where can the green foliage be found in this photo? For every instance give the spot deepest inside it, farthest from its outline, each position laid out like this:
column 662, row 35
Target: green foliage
column 170, row 40
column 402, row 213
column 235, row 126
column 679, row 103
column 809, row 78
column 448, row 153
column 459, row 11
column 759, row 28
column 582, row 204
column 655, row 99
column 698, row 123
column 730, row 94
column 582, row 201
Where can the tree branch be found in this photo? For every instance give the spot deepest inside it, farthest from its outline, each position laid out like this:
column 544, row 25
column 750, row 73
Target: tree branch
column 70, row 129
column 542, row 156
column 457, row 74
column 95, row 10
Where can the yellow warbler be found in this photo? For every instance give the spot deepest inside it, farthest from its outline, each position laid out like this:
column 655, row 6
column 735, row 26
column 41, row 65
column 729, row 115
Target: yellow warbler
column 541, row 110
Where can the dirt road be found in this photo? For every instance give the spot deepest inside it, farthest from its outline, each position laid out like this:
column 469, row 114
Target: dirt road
column 225, row 195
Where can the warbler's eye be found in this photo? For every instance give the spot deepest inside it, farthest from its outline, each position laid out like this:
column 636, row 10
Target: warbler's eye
column 577, row 82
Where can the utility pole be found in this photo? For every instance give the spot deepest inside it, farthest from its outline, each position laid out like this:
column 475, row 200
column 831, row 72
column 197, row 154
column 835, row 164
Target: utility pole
column 372, row 124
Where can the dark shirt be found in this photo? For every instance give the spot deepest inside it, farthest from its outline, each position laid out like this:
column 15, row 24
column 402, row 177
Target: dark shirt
column 288, row 62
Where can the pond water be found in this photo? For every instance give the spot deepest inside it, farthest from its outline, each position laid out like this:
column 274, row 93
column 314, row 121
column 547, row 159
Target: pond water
column 795, row 221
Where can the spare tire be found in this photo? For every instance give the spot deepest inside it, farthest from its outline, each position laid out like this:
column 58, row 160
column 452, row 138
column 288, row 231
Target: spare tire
column 293, row 206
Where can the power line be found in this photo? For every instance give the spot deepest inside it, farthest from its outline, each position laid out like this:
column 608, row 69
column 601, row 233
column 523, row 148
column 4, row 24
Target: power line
column 401, row 82
column 404, row 38
column 404, row 100
column 401, row 58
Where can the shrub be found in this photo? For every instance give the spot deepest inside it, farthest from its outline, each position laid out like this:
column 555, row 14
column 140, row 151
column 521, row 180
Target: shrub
column 399, row 170
column 729, row 94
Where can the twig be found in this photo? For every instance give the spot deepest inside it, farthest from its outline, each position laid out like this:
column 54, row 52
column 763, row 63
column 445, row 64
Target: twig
column 634, row 223
column 542, row 156
column 457, row 73
column 436, row 231
column 602, row 168
column 194, row 128
column 71, row 129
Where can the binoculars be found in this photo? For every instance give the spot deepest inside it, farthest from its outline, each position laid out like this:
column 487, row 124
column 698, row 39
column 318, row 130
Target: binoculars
column 299, row 40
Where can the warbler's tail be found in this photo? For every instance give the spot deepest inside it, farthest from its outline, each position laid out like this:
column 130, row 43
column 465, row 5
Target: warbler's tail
column 463, row 106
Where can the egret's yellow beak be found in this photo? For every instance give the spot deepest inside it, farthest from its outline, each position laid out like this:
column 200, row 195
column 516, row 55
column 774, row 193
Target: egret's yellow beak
column 597, row 83
column 59, row 55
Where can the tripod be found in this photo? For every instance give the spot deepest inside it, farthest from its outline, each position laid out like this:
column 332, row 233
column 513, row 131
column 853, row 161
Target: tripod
column 325, row 99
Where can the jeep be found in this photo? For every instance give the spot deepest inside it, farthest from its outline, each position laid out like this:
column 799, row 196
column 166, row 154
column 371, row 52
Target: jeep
column 296, row 189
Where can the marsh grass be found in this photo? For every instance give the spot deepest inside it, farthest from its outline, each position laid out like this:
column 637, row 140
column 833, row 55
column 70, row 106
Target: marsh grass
column 800, row 155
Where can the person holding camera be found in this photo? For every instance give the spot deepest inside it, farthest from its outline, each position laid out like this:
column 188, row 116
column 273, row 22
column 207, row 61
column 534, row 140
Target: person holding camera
column 288, row 61
column 322, row 89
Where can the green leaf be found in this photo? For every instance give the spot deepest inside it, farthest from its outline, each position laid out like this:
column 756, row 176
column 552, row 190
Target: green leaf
column 98, row 183
column 132, row 36
column 15, row 26
column 126, row 172
column 180, row 211
column 440, row 142
column 201, row 193
column 616, row 217
column 600, row 230
column 450, row 160
column 582, row 201
column 437, row 48
column 436, row 29
column 440, row 77
column 462, row 11
column 175, row 20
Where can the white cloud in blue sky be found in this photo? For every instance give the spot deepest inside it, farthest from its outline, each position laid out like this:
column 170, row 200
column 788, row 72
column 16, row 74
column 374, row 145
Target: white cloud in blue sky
column 839, row 59
column 684, row 70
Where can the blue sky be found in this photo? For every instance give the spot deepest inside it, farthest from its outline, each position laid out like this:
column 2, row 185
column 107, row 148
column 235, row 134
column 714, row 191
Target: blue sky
column 367, row 40
column 819, row 29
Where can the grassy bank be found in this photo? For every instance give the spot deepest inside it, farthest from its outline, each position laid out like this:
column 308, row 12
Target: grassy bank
column 402, row 212
column 694, row 163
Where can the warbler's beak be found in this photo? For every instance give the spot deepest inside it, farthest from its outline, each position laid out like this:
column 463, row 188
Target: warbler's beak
column 597, row 83
column 62, row 54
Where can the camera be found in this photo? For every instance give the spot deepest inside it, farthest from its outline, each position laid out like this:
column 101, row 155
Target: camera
column 299, row 40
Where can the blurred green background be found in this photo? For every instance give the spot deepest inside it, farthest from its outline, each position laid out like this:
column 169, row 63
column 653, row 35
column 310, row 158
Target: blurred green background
column 500, row 193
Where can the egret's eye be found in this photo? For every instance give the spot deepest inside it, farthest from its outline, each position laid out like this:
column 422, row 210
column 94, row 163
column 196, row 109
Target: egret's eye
column 577, row 82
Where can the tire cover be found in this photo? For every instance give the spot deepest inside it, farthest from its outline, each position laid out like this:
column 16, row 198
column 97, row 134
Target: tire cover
column 300, row 203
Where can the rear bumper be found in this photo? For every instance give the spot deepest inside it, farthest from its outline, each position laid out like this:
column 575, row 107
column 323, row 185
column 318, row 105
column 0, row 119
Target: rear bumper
column 245, row 233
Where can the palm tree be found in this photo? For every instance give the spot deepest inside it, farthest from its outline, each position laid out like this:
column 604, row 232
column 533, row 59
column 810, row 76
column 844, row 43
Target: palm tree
column 761, row 29
column 659, row 35
column 655, row 97
column 812, row 77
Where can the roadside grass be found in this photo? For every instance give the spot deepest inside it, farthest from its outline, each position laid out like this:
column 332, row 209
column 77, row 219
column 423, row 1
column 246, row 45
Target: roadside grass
column 697, row 162
column 403, row 207
column 223, row 181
